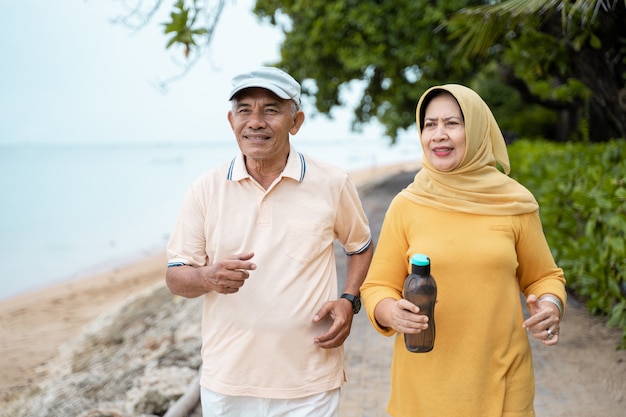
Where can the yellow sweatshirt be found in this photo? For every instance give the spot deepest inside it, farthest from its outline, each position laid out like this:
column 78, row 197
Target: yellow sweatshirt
column 481, row 364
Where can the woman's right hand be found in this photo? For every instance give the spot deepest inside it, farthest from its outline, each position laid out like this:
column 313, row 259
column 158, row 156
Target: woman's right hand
column 401, row 315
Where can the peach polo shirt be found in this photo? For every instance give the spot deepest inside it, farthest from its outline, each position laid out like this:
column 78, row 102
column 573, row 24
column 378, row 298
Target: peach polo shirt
column 259, row 341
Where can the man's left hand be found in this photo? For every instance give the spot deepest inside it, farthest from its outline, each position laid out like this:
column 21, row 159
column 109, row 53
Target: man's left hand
column 341, row 314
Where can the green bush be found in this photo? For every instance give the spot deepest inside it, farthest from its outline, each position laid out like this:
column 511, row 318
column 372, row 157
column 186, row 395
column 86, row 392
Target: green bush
column 581, row 189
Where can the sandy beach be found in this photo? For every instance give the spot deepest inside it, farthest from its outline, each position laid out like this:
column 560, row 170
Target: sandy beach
column 34, row 325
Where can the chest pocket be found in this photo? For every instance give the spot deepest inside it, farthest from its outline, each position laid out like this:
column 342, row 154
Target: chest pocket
column 306, row 240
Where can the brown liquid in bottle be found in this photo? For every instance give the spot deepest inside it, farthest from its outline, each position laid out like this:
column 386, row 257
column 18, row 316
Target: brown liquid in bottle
column 420, row 288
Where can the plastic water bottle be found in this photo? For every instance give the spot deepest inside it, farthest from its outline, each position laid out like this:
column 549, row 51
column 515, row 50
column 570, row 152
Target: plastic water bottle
column 420, row 289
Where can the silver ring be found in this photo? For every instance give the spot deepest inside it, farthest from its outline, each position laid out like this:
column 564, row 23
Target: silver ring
column 550, row 334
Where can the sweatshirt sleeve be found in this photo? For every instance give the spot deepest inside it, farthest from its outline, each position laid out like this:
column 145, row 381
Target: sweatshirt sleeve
column 537, row 272
column 388, row 270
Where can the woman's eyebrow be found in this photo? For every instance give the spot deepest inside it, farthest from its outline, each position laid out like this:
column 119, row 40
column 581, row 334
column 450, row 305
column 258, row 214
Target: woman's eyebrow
column 444, row 118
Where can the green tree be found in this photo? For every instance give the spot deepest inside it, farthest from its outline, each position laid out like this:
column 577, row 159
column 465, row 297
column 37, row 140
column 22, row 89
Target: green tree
column 394, row 48
column 551, row 68
column 566, row 57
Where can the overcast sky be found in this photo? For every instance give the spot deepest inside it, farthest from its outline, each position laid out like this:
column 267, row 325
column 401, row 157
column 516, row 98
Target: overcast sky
column 69, row 75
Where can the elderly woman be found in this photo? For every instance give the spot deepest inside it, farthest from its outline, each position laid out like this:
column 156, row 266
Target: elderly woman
column 482, row 232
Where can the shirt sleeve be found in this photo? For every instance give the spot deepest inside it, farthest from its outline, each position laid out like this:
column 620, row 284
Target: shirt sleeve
column 351, row 227
column 537, row 271
column 187, row 244
column 388, row 269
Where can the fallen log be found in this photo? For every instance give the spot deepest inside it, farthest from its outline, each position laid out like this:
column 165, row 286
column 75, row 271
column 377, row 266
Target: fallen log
column 188, row 401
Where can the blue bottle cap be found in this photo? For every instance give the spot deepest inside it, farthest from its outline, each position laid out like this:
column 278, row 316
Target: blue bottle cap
column 420, row 260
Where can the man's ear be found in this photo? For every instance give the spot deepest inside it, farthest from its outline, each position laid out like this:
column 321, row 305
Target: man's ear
column 230, row 119
column 297, row 122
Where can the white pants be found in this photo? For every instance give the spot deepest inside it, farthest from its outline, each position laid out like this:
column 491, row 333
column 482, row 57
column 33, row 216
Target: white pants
column 325, row 404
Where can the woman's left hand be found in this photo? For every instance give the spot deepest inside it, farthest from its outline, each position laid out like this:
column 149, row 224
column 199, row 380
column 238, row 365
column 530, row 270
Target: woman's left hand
column 544, row 321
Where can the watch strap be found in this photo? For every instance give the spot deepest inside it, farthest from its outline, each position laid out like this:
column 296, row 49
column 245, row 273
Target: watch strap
column 354, row 300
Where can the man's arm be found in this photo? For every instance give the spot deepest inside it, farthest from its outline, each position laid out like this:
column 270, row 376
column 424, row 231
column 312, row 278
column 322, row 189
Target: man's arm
column 225, row 276
column 341, row 310
column 356, row 270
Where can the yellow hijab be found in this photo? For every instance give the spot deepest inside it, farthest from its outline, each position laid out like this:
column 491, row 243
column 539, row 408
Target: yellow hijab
column 476, row 185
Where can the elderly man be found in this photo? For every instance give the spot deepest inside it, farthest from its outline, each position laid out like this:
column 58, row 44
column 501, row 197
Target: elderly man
column 255, row 237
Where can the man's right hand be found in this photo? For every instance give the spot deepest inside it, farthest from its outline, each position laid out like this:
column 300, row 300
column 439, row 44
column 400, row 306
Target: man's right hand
column 225, row 276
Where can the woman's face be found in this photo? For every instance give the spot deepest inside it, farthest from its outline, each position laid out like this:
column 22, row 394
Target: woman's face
column 443, row 133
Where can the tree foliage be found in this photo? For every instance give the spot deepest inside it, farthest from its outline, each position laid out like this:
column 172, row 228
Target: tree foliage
column 380, row 43
column 183, row 26
column 568, row 58
column 550, row 68
column 581, row 189
column 190, row 26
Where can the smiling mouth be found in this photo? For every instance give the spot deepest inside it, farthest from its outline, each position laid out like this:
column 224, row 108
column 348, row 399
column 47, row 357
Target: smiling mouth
column 257, row 138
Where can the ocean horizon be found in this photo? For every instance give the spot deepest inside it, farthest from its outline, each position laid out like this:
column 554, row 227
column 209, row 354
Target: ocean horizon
column 70, row 210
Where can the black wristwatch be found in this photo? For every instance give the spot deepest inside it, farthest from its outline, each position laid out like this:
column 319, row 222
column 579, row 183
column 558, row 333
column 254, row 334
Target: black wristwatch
column 356, row 301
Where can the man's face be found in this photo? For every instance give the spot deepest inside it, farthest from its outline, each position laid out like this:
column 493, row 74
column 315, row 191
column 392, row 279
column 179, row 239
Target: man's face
column 262, row 122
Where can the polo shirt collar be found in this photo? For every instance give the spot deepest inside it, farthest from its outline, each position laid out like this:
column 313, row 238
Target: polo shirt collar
column 295, row 168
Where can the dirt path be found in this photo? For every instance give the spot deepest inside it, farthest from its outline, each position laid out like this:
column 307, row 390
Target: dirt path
column 583, row 376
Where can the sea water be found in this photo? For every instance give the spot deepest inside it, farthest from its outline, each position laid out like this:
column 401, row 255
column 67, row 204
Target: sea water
column 70, row 210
